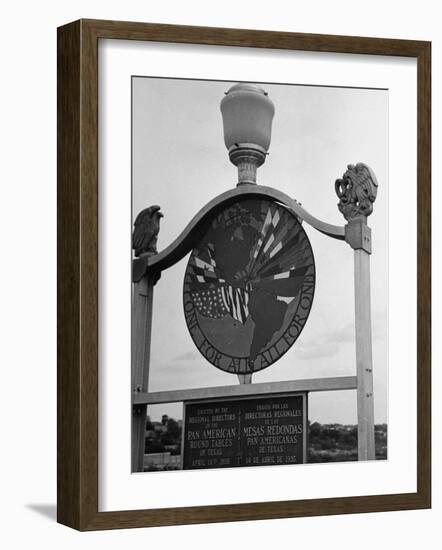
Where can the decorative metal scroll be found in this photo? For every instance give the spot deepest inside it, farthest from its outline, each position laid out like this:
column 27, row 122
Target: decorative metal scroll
column 185, row 241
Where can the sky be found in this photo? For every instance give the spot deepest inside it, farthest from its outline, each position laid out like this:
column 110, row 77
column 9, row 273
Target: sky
column 180, row 162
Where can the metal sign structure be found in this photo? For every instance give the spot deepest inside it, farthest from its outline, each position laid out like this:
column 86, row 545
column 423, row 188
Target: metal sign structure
column 233, row 272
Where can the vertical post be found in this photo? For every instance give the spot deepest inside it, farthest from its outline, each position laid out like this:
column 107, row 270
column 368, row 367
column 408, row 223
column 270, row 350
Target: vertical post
column 144, row 243
column 364, row 362
column 357, row 190
column 141, row 334
column 245, row 378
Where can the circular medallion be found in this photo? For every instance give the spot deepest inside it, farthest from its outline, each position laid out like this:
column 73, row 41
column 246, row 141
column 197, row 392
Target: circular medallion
column 249, row 286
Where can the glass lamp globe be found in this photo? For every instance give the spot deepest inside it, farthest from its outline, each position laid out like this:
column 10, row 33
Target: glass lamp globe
column 247, row 115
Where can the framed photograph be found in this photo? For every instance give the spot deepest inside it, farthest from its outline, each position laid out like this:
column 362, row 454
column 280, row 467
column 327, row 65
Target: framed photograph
column 244, row 283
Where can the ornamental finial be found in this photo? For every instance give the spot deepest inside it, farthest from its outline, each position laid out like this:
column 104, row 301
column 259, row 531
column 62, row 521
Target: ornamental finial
column 356, row 190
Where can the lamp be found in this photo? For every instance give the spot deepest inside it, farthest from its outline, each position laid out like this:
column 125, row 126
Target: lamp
column 247, row 115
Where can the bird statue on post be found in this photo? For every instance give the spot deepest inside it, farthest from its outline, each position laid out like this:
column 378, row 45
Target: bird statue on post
column 146, row 229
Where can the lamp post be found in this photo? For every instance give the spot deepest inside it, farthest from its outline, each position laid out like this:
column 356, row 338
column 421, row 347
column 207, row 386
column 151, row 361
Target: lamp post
column 247, row 114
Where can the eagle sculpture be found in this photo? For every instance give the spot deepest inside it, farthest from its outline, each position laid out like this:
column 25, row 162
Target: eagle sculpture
column 146, row 229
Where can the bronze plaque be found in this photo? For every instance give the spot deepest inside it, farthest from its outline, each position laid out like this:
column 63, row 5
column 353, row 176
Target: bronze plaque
column 249, row 286
column 265, row 431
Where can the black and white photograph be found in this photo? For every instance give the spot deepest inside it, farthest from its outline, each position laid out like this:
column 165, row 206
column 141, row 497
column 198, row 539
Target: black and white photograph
column 260, row 274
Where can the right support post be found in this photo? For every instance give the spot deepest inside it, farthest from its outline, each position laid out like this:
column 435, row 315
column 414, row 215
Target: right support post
column 364, row 362
column 357, row 191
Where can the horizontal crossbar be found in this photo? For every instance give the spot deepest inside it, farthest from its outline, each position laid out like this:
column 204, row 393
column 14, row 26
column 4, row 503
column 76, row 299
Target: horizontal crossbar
column 241, row 390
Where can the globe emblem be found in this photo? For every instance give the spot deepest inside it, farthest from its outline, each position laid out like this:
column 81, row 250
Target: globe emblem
column 249, row 286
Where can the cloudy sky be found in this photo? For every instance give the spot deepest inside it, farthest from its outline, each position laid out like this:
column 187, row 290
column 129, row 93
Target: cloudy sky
column 180, row 162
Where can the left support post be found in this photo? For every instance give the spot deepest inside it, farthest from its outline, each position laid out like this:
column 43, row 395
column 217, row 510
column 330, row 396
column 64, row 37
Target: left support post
column 141, row 335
